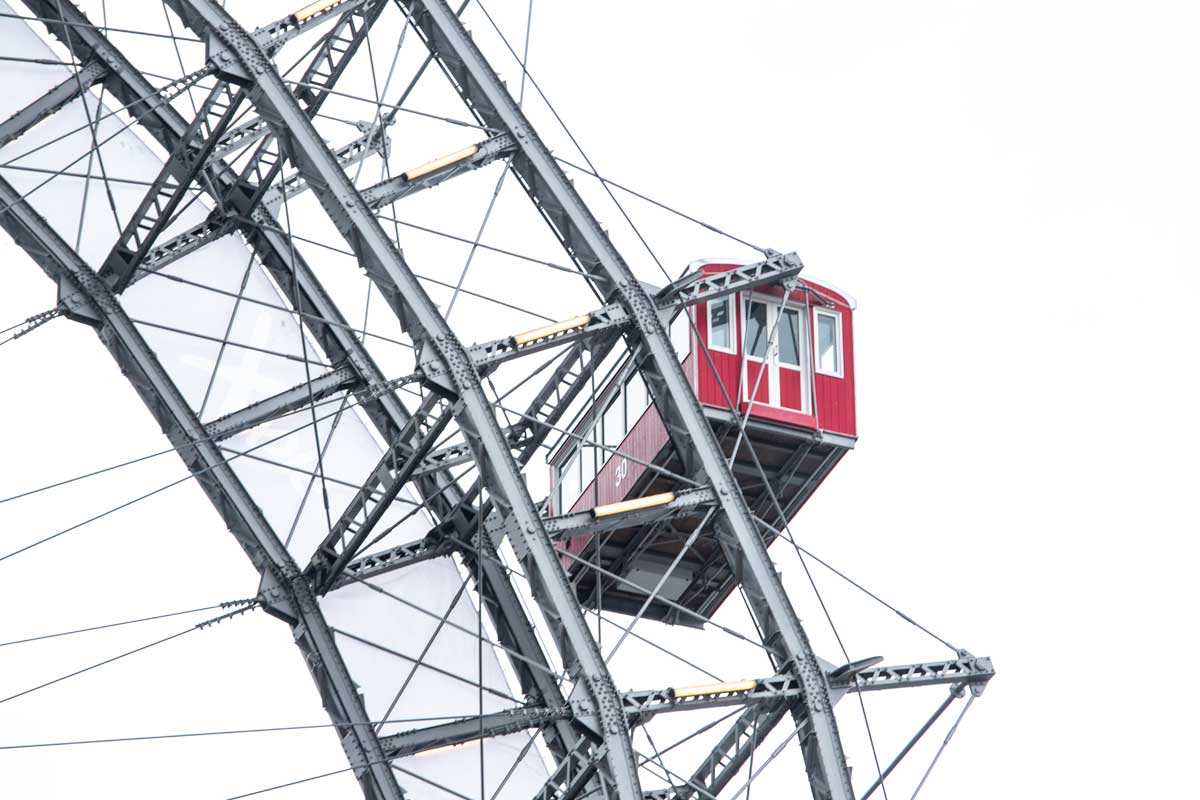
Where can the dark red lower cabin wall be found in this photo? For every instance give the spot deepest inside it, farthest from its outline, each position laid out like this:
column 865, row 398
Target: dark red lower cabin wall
column 621, row 472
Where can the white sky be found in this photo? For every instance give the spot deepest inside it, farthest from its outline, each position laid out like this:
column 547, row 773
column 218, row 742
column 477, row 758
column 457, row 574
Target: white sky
column 1009, row 191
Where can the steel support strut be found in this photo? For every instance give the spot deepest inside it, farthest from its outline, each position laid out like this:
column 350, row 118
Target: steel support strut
column 285, row 593
column 387, row 268
column 586, row 242
column 321, row 316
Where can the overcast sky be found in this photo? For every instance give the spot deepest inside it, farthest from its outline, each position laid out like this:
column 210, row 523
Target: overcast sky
column 1009, row 191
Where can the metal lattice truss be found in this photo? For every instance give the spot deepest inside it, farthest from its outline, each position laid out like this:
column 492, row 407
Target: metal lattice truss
column 240, row 141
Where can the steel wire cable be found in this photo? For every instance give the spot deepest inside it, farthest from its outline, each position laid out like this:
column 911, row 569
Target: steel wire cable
column 189, row 476
column 697, row 222
column 946, row 741
column 198, row 626
column 31, row 324
column 107, row 625
column 56, row 22
column 225, row 732
column 635, row 229
column 663, row 206
column 694, row 331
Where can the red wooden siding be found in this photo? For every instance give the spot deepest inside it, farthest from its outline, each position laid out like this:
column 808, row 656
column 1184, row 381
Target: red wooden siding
column 722, row 371
column 833, row 406
column 612, row 483
column 716, row 377
column 835, row 396
column 642, row 443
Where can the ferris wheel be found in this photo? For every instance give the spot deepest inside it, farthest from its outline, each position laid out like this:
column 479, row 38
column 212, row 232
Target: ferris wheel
column 516, row 494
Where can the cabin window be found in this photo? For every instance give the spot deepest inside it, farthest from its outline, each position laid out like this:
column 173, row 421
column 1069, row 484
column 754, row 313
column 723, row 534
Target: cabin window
column 587, row 452
column 829, row 343
column 614, row 425
column 756, row 329
column 720, row 325
column 568, row 483
column 636, row 398
column 789, row 337
column 680, row 332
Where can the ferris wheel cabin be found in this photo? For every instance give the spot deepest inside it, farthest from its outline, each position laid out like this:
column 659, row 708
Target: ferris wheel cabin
column 778, row 364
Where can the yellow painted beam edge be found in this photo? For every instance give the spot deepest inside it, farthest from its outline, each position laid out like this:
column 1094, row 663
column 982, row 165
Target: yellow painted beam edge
column 637, row 503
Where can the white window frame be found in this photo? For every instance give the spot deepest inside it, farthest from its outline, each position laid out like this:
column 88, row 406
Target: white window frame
column 777, row 356
column 615, row 400
column 772, row 362
column 836, row 316
column 571, row 462
column 733, row 326
column 745, row 342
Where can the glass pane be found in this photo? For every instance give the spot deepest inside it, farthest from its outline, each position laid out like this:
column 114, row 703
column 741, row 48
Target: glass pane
column 828, row 357
column 681, row 335
column 756, row 330
column 789, row 337
column 720, row 334
column 614, row 424
column 636, row 400
column 587, row 454
column 569, row 484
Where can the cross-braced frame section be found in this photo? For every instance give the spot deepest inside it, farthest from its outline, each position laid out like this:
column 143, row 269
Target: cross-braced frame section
column 374, row 449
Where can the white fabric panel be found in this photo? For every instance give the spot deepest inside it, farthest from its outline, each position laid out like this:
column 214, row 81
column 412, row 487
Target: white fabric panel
column 443, row 684
column 285, row 490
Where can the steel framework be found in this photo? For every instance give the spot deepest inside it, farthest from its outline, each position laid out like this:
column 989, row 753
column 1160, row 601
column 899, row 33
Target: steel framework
column 249, row 148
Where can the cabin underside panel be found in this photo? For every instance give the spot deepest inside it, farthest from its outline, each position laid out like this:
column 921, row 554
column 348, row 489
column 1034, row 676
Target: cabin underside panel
column 778, row 468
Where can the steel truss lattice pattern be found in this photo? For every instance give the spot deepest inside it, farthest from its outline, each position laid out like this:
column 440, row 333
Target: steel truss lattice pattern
column 234, row 170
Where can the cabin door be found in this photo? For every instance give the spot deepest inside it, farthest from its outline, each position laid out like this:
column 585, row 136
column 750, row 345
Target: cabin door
column 774, row 355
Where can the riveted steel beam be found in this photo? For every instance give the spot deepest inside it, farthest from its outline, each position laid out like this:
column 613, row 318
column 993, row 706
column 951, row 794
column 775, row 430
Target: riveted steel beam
column 695, row 289
column 566, row 526
column 401, row 289
column 755, row 724
column 373, row 140
column 334, row 335
column 373, row 499
column 275, row 406
column 470, row 729
column 685, row 502
column 285, row 593
column 172, row 186
column 641, row 705
column 584, row 239
column 393, row 189
column 54, row 99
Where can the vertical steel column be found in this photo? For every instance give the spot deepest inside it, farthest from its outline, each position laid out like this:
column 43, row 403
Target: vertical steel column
column 242, row 59
column 329, row 327
column 487, row 97
column 285, row 593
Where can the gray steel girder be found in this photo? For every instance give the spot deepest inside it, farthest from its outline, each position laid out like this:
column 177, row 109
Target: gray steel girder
column 688, row 501
column 289, row 400
column 769, row 696
column 373, row 499
column 615, row 316
column 173, row 184
column 335, row 336
column 470, row 729
column 51, row 101
column 756, row 723
column 386, row 267
column 585, row 240
column 286, row 594
column 392, row 189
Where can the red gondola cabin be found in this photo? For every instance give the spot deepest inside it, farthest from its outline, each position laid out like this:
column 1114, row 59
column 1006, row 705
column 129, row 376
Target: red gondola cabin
column 784, row 366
